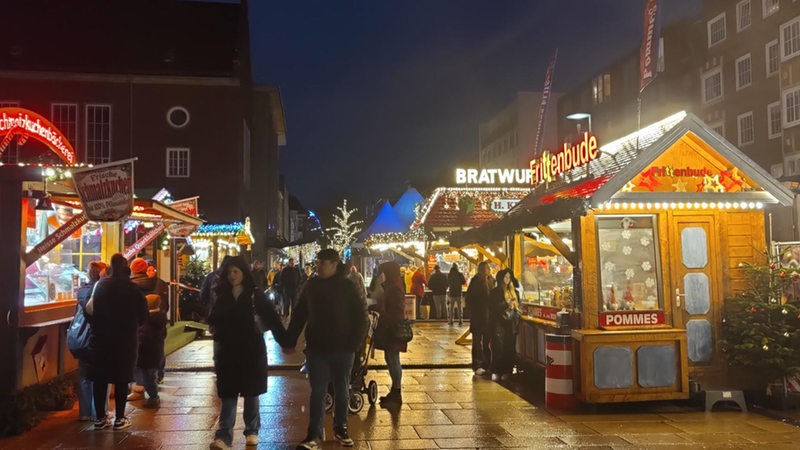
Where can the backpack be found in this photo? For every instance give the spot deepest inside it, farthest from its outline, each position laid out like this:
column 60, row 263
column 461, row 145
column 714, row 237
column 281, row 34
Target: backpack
column 79, row 333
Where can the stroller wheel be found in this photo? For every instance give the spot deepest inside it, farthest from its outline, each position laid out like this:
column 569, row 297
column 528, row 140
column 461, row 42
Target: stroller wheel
column 328, row 401
column 356, row 402
column 372, row 392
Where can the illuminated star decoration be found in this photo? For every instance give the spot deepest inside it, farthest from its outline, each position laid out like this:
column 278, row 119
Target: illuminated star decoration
column 680, row 185
column 712, row 184
column 731, row 178
column 629, row 186
column 648, row 179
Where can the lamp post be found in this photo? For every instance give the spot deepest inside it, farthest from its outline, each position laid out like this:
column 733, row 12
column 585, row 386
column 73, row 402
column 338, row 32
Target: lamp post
column 581, row 116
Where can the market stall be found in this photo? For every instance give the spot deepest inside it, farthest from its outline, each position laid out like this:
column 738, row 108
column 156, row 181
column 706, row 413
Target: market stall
column 212, row 242
column 654, row 227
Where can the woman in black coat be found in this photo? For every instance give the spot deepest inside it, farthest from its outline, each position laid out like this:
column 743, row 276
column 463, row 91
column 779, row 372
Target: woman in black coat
column 390, row 306
column 117, row 309
column 477, row 298
column 240, row 355
column 502, row 299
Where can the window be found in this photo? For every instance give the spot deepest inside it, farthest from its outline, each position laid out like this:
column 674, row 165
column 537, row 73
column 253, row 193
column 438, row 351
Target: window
column 776, row 170
column 744, row 76
column 790, row 38
column 178, row 162
column 178, row 117
column 98, row 134
column 718, row 127
column 774, row 120
column 770, row 7
column 65, row 117
column 742, row 15
column 716, row 30
column 11, row 154
column 712, row 85
column 791, row 107
column 772, row 52
column 745, row 122
column 629, row 263
column 601, row 88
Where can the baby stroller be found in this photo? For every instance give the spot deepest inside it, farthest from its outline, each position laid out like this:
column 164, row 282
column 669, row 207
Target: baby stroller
column 358, row 385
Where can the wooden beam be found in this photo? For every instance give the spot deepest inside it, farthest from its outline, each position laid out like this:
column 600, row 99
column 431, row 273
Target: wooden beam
column 562, row 248
column 410, row 255
column 468, row 258
column 540, row 245
column 488, row 255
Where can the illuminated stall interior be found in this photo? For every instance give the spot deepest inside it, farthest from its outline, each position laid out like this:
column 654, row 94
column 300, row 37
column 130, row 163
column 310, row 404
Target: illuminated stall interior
column 212, row 242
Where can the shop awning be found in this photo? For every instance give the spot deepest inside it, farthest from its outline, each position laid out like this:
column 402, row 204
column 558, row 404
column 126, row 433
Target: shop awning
column 143, row 209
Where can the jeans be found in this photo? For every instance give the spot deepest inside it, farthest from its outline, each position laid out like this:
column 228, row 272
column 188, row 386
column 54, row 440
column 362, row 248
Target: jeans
column 100, row 393
column 85, row 395
column 419, row 303
column 440, row 306
column 481, row 352
column 455, row 302
column 227, row 418
column 147, row 379
column 162, row 366
column 395, row 369
column 322, row 367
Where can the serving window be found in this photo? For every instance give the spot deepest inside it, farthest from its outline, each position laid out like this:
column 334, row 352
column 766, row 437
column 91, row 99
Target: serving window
column 629, row 263
column 546, row 276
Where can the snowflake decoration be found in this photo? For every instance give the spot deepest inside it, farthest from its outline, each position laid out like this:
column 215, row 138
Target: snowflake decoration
column 651, row 299
column 627, row 250
column 609, row 266
column 646, row 266
column 606, row 246
column 649, row 282
column 629, row 273
column 645, row 241
column 626, row 234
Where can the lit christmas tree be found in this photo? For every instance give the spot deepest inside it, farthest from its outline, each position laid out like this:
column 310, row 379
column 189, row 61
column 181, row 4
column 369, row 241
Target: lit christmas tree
column 346, row 231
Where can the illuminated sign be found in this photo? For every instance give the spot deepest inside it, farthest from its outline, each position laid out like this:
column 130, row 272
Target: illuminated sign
column 549, row 165
column 493, row 176
column 501, row 205
column 632, row 318
column 24, row 124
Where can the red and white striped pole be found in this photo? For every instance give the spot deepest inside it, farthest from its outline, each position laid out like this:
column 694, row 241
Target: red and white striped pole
column 558, row 385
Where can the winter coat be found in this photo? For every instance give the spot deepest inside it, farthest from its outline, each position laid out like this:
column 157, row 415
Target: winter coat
column 153, row 285
column 334, row 314
column 497, row 306
column 418, row 283
column 151, row 340
column 240, row 355
column 477, row 299
column 289, row 279
column 455, row 281
column 438, row 283
column 391, row 307
column 358, row 281
column 119, row 308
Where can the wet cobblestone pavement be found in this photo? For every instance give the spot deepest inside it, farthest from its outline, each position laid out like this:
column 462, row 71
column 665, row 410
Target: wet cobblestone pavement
column 443, row 408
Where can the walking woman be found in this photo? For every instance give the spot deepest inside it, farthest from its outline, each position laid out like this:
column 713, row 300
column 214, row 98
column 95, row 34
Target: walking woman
column 117, row 309
column 477, row 298
column 390, row 306
column 240, row 355
column 85, row 393
column 503, row 303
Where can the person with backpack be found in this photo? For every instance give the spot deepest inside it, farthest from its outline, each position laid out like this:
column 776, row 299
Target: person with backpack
column 455, row 282
column 86, row 410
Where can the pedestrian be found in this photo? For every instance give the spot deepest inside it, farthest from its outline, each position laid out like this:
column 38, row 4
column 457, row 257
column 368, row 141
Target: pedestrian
column 438, row 286
column 358, row 280
column 151, row 352
column 240, row 354
column 477, row 299
column 117, row 309
column 289, row 281
column 503, row 299
column 272, row 275
column 390, row 306
column 408, row 275
column 259, row 276
column 335, row 320
column 143, row 275
column 455, row 283
column 86, row 410
column 418, row 283
column 207, row 289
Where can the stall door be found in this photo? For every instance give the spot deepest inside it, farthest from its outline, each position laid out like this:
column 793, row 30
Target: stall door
column 695, row 283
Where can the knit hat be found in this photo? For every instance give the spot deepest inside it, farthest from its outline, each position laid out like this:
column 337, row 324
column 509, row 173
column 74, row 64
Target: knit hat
column 138, row 265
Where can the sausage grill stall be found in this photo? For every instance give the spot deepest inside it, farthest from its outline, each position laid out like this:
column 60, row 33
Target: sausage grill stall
column 655, row 227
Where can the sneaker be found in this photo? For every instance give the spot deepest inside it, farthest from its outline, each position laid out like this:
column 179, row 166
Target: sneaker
column 480, row 371
column 102, row 424
column 122, row 423
column 219, row 444
column 495, row 377
column 151, row 403
column 135, row 395
column 309, row 443
column 341, row 436
column 251, row 439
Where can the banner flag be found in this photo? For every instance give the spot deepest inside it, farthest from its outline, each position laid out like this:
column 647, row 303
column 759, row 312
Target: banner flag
column 148, row 237
column 106, row 191
column 648, row 54
column 548, row 84
column 187, row 206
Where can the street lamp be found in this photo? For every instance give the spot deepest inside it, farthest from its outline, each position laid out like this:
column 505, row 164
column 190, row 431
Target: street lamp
column 581, row 116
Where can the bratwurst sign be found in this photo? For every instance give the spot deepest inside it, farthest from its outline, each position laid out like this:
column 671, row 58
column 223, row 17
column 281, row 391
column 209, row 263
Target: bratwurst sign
column 106, row 191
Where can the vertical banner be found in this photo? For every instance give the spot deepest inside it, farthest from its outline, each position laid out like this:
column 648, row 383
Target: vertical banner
column 548, row 83
column 106, row 191
column 187, row 206
column 148, row 237
column 648, row 54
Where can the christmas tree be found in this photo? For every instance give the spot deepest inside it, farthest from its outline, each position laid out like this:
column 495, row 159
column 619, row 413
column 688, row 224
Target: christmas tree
column 346, row 230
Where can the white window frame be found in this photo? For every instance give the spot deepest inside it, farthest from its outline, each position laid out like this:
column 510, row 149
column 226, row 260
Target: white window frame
column 739, row 130
column 770, row 122
column 795, row 92
column 776, row 170
column 70, row 133
column 768, row 9
column 740, row 16
column 178, row 151
column 796, row 51
column 739, row 85
column 772, row 44
column 86, row 125
column 711, row 22
column 713, row 72
column 718, row 124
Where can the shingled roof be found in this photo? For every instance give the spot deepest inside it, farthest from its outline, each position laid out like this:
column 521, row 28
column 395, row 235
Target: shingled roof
column 451, row 208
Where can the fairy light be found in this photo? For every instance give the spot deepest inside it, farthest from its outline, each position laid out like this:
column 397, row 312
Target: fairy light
column 680, row 205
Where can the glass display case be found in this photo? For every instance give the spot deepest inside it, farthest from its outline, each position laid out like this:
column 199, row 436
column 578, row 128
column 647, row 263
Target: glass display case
column 547, row 281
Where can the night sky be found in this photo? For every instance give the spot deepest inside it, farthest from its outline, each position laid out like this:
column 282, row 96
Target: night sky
column 379, row 94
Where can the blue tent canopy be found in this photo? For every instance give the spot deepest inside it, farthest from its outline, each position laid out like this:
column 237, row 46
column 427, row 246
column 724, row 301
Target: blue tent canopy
column 404, row 208
column 385, row 222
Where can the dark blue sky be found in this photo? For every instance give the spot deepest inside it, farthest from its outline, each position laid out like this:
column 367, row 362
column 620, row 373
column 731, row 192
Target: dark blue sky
column 380, row 93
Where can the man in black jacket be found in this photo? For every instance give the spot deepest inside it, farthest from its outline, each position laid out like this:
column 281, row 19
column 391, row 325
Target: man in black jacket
column 289, row 280
column 438, row 285
column 336, row 318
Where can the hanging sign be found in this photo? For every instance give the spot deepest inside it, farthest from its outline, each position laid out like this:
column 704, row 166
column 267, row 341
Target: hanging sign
column 23, row 124
column 55, row 238
column 550, row 165
column 148, row 237
column 631, row 318
column 187, row 206
column 106, row 191
column 501, row 205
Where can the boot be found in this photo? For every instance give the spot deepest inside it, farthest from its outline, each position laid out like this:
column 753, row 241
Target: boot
column 392, row 396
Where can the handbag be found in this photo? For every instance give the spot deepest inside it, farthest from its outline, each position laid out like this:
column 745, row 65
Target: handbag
column 512, row 316
column 79, row 333
column 403, row 332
